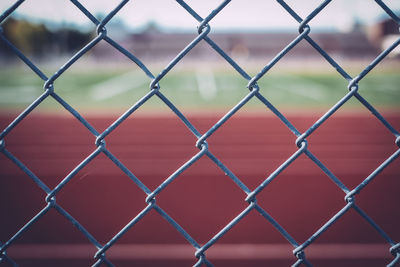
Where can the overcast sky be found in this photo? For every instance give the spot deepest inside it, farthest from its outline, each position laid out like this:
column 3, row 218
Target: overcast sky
column 255, row 15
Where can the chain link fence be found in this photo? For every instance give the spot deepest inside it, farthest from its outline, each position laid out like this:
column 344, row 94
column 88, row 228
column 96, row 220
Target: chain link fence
column 155, row 81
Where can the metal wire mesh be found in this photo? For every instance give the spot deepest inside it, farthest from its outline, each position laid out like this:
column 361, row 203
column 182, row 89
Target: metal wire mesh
column 300, row 138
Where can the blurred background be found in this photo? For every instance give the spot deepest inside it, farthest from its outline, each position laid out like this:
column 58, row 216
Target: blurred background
column 153, row 142
column 353, row 33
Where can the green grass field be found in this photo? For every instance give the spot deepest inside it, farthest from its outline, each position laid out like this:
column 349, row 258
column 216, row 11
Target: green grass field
column 119, row 88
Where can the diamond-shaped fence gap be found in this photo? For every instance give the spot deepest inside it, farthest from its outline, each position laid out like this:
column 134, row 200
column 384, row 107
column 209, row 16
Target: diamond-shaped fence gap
column 352, row 145
column 269, row 17
column 252, row 146
column 359, row 35
column 139, row 12
column 251, row 48
column 50, row 146
column 155, row 40
column 350, row 239
column 302, row 182
column 143, row 21
column 289, row 87
column 49, row 33
column 102, row 192
column 383, row 187
column 152, row 147
column 352, row 37
column 199, row 188
column 52, row 239
column 91, row 83
column 202, row 86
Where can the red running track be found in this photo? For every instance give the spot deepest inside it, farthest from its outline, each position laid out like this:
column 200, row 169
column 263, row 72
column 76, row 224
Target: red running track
column 202, row 200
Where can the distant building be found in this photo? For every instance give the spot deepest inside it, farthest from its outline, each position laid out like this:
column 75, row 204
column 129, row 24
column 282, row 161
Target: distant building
column 384, row 33
column 152, row 44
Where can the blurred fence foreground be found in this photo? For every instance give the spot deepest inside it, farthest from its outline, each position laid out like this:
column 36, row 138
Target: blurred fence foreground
column 204, row 150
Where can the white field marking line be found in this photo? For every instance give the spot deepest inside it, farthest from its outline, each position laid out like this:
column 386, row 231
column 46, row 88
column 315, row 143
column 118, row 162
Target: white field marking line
column 184, row 251
column 116, row 85
column 20, row 94
column 206, row 83
column 304, row 88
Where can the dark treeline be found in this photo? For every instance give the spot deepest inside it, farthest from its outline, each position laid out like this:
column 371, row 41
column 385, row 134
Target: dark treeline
column 35, row 39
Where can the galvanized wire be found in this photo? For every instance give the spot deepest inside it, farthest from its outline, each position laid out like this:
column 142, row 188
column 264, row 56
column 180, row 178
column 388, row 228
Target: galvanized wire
column 155, row 81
